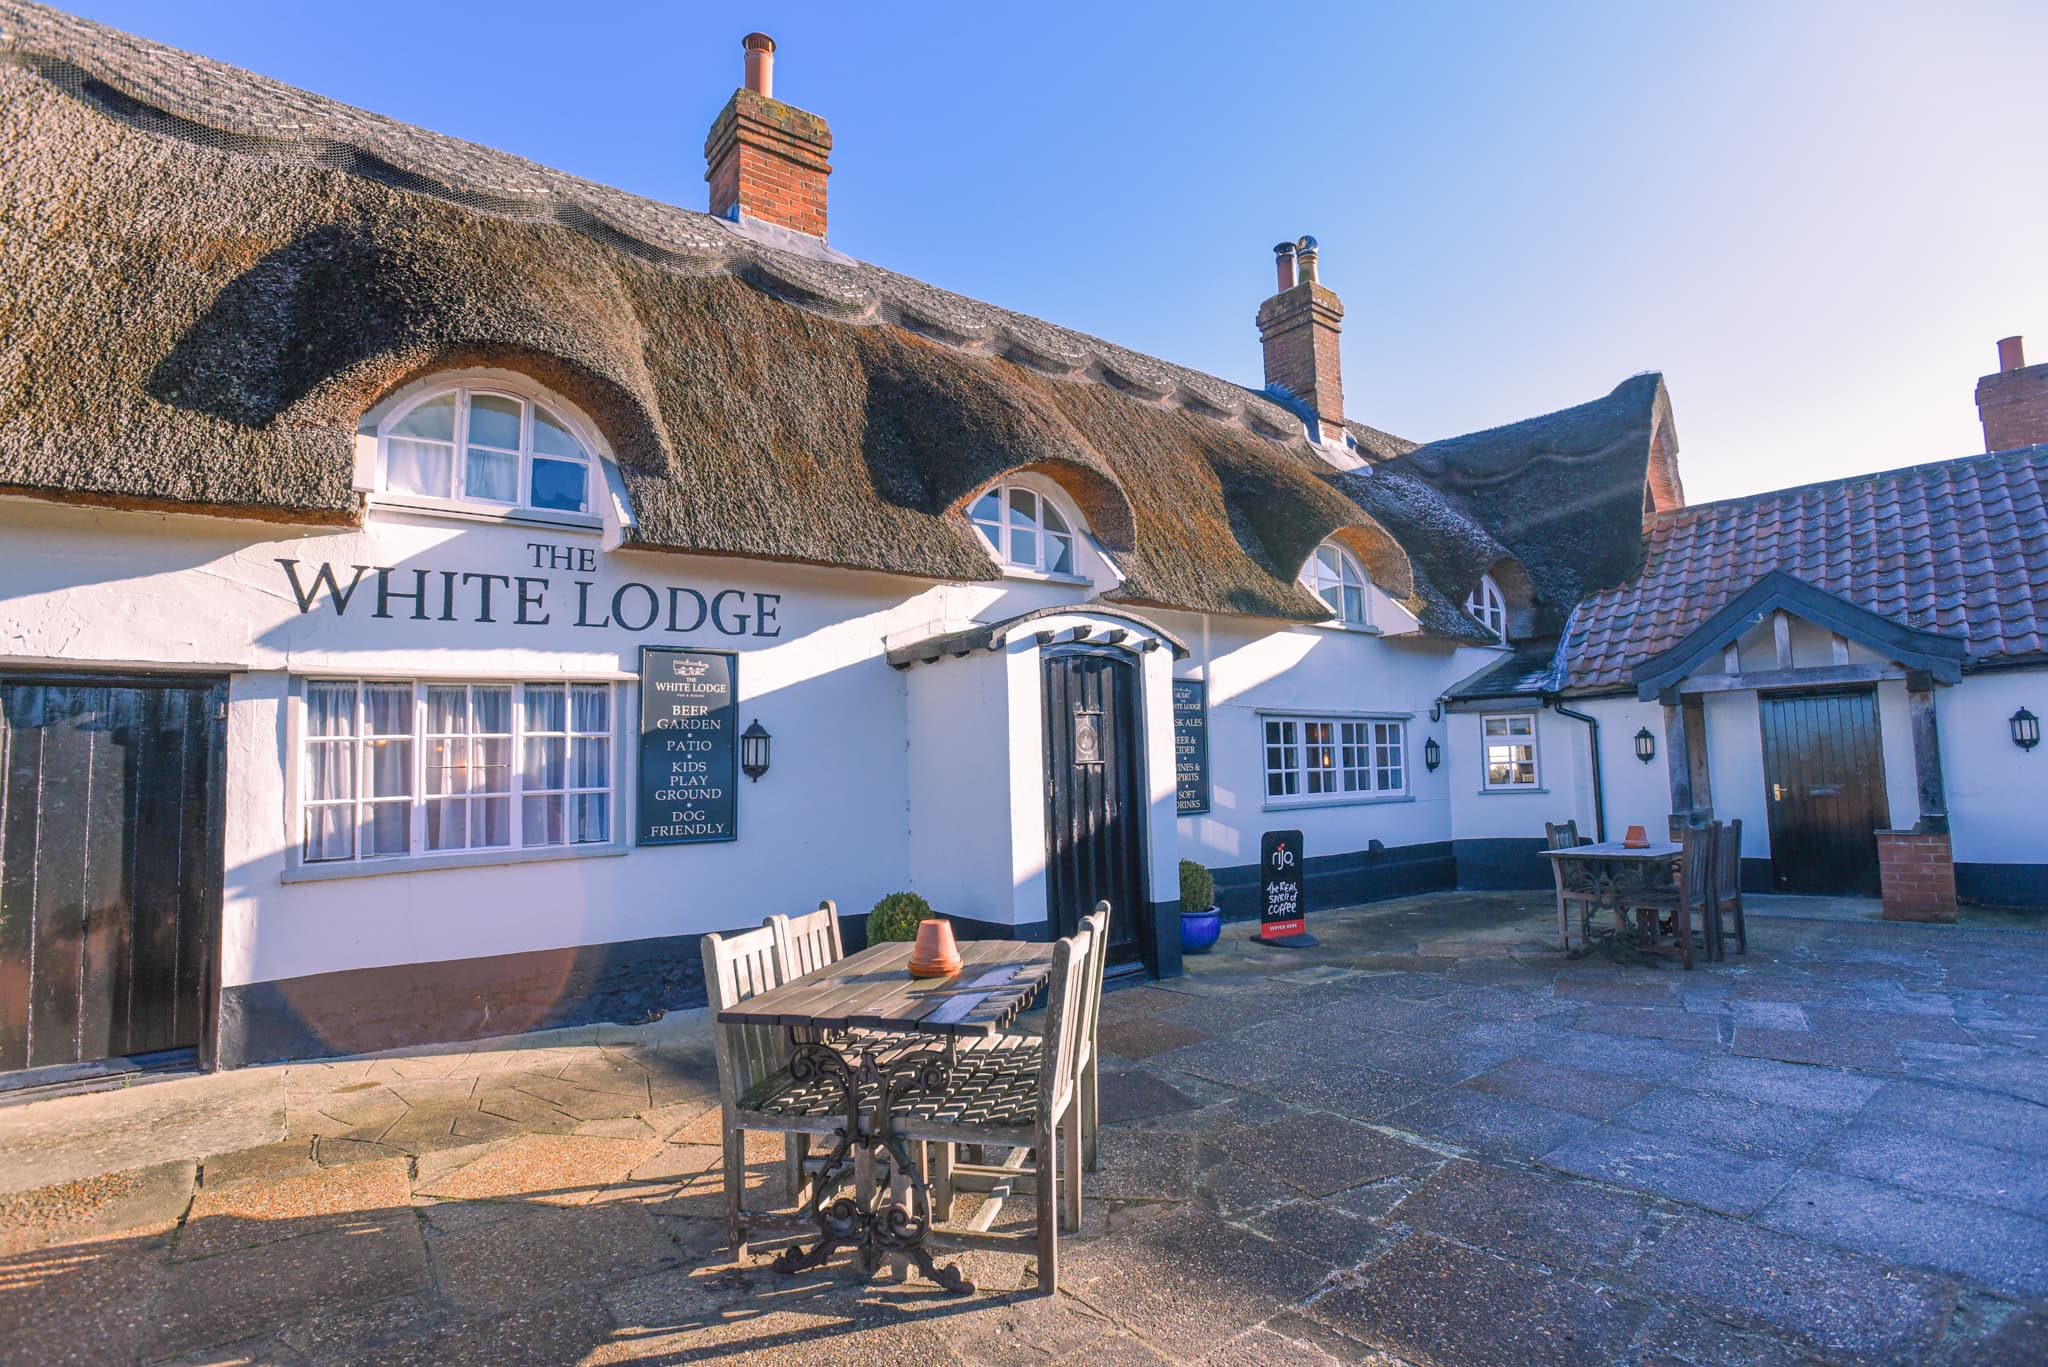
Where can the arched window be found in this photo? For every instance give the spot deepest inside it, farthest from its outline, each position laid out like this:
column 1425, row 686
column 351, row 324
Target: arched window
column 1024, row 529
column 1487, row 605
column 482, row 445
column 1334, row 575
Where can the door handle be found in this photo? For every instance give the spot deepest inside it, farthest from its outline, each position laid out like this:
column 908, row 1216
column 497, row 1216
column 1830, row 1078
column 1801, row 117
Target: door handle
column 1777, row 792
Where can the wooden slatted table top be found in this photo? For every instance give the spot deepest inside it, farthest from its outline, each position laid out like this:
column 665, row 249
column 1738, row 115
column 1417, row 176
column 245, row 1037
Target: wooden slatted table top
column 1614, row 849
column 874, row 989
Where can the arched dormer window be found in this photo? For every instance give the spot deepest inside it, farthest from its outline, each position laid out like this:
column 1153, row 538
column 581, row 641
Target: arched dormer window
column 1334, row 575
column 1024, row 529
column 1489, row 607
column 482, row 444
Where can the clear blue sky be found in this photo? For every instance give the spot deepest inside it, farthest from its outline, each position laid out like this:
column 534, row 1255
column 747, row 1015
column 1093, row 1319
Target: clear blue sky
column 1815, row 219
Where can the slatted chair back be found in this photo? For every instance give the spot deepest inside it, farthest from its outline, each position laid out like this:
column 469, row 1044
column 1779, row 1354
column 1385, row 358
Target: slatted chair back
column 808, row 942
column 737, row 967
column 1064, row 1017
column 1696, row 869
column 1572, row 875
column 1729, row 859
column 1562, row 836
column 1098, row 962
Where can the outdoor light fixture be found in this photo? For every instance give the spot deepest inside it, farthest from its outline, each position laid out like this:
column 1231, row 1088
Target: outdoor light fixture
column 754, row 750
column 1432, row 754
column 1646, row 745
column 2026, row 729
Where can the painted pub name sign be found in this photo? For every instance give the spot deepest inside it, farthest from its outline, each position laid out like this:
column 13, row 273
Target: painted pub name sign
column 384, row 592
column 689, row 709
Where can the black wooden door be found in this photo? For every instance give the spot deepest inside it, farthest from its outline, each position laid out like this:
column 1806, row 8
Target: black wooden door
column 110, row 867
column 1095, row 795
column 1824, row 789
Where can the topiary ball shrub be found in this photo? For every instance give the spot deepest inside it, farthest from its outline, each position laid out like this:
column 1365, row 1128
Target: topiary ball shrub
column 895, row 917
column 1197, row 888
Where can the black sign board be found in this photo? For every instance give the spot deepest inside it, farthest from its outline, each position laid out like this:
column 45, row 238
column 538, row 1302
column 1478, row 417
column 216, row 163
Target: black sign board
column 1282, row 912
column 1190, row 746
column 689, row 737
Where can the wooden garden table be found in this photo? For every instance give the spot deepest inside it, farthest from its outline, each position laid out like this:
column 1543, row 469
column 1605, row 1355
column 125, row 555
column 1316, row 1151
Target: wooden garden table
column 1615, row 872
column 868, row 1030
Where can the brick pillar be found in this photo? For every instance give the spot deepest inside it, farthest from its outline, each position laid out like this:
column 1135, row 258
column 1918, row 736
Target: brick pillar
column 1918, row 875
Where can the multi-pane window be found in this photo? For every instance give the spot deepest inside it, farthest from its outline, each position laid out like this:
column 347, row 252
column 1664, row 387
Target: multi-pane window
column 1334, row 575
column 395, row 769
column 485, row 447
column 1486, row 604
column 1510, row 750
column 1315, row 757
column 1024, row 529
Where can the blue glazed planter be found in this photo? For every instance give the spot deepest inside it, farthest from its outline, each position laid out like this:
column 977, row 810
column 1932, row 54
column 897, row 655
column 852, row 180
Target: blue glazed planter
column 1199, row 929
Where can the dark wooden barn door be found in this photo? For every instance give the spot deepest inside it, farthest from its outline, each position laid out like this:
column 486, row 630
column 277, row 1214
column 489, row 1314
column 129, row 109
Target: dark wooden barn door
column 1824, row 788
column 110, row 868
column 1095, row 795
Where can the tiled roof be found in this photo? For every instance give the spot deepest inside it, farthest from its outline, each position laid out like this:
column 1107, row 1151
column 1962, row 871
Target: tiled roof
column 1958, row 547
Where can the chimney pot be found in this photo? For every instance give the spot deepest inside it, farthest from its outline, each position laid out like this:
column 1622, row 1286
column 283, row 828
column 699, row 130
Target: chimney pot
column 1305, row 253
column 1283, row 258
column 2011, row 354
column 760, row 64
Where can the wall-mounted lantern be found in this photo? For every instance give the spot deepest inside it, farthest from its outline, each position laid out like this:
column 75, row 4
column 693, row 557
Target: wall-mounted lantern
column 2026, row 729
column 754, row 750
column 1432, row 754
column 1646, row 745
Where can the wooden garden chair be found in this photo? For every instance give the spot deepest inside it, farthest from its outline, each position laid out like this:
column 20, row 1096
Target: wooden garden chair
column 1026, row 1101
column 1728, row 887
column 1574, row 883
column 755, row 1089
column 808, row 942
column 1688, row 900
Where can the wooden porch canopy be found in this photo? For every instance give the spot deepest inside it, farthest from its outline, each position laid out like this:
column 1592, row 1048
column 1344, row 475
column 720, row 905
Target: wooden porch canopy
column 1706, row 662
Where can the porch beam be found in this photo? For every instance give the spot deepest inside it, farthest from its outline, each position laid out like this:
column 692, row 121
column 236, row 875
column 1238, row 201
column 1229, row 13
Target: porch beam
column 1781, row 637
column 1678, row 760
column 1816, row 676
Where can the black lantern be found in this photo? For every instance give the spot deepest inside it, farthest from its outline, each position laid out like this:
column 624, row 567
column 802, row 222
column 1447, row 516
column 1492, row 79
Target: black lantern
column 754, row 750
column 1646, row 745
column 2026, row 729
column 1432, row 754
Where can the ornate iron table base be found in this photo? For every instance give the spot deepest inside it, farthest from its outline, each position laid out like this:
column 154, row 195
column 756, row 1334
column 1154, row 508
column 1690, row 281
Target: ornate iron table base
column 884, row 1226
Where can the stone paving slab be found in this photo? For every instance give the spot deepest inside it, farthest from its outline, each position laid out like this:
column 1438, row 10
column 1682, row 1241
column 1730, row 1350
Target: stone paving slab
column 1433, row 1141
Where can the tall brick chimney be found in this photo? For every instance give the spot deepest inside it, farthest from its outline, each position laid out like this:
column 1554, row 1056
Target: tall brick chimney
column 1299, row 328
column 767, row 160
column 2013, row 401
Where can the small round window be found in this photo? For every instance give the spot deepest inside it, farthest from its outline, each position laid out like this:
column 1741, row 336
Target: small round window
column 1024, row 529
column 480, row 446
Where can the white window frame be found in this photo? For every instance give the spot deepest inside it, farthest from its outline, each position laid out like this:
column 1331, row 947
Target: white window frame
column 458, row 495
column 1509, row 738
column 1331, row 567
column 1333, row 759
column 997, row 539
column 417, row 855
column 1489, row 607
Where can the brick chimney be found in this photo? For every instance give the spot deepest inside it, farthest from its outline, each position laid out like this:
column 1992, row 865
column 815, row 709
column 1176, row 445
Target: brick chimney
column 767, row 160
column 1299, row 327
column 2013, row 402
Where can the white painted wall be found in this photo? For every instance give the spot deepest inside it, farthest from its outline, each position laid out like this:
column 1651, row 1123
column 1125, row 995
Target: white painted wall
column 1996, row 790
column 1564, row 778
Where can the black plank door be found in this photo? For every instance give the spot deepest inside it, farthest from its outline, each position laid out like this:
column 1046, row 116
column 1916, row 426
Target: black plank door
column 1824, row 790
column 109, row 868
column 1095, row 795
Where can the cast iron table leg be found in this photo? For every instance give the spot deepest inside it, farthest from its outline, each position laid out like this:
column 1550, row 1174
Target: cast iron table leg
column 887, row 1225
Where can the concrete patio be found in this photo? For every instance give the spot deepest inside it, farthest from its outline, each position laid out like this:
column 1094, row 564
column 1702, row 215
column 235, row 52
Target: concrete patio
column 1433, row 1140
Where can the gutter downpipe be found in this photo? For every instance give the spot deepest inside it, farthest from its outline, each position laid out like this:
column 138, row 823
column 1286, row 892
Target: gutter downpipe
column 1593, row 737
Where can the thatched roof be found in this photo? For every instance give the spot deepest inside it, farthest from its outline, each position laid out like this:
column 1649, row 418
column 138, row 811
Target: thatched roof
column 1560, row 497
column 210, row 276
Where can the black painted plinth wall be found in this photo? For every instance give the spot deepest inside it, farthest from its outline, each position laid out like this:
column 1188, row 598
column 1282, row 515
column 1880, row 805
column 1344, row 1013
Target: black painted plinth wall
column 1342, row 880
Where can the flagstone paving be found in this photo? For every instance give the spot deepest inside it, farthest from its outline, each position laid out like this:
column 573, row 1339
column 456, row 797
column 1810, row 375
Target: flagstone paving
column 1433, row 1140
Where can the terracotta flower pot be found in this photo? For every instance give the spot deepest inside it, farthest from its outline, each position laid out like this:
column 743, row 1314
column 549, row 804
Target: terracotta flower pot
column 1636, row 839
column 934, row 955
